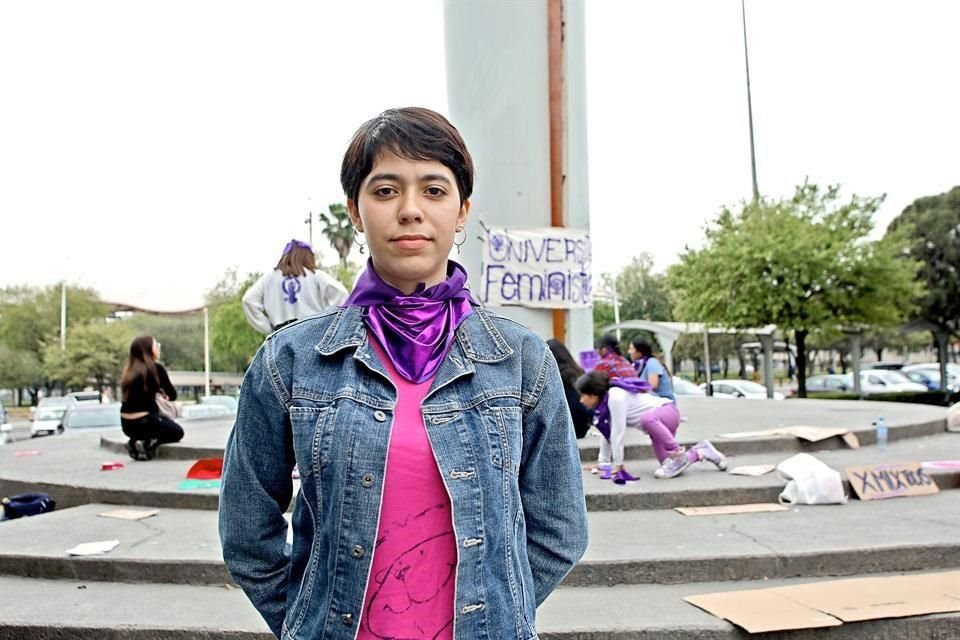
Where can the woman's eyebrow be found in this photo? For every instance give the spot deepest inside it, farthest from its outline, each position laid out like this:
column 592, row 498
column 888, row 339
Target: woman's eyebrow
column 395, row 177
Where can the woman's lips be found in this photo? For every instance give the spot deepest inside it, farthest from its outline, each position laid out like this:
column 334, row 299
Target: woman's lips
column 411, row 242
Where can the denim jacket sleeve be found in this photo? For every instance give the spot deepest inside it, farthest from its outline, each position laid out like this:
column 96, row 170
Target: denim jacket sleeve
column 551, row 483
column 256, row 488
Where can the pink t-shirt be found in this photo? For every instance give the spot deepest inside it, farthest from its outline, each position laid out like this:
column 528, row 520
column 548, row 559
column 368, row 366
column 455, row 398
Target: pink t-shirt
column 411, row 586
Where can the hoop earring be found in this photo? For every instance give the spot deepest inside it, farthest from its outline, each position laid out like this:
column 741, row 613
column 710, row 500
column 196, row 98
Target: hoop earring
column 459, row 244
column 362, row 245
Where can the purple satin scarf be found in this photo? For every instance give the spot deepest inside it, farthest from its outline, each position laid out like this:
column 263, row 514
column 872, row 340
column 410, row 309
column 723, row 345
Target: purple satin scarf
column 415, row 330
column 601, row 415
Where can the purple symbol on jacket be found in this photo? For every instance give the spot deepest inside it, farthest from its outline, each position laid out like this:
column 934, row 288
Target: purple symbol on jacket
column 291, row 287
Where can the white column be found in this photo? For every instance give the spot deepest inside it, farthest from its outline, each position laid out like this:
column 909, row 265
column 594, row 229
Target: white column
column 206, row 352
column 498, row 91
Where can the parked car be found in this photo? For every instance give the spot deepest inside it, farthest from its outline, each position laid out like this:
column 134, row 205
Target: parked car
column 890, row 365
column 930, row 379
column 88, row 397
column 953, row 372
column 6, row 429
column 740, row 389
column 91, row 417
column 48, row 415
column 828, row 382
column 683, row 387
column 885, row 381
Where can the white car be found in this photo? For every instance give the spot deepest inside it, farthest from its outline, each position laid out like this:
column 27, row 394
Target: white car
column 92, row 417
column 953, row 372
column 48, row 415
column 740, row 389
column 885, row 381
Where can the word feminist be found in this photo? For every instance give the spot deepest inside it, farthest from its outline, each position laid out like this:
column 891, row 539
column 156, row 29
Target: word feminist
column 547, row 267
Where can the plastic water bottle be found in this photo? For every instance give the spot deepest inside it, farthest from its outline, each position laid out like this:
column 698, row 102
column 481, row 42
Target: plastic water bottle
column 881, row 434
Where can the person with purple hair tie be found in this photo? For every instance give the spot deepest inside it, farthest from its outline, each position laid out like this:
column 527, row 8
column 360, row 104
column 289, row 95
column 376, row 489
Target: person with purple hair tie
column 619, row 403
column 440, row 491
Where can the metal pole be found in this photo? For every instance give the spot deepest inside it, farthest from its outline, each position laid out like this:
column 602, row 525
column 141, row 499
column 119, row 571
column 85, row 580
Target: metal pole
column 746, row 60
column 309, row 222
column 555, row 88
column 63, row 315
column 616, row 310
column 206, row 352
column 706, row 357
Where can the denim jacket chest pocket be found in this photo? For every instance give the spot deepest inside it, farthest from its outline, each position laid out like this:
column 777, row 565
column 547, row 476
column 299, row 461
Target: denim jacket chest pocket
column 502, row 425
column 312, row 428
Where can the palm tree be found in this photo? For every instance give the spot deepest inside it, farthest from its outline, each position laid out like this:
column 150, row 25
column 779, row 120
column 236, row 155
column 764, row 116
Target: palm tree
column 338, row 230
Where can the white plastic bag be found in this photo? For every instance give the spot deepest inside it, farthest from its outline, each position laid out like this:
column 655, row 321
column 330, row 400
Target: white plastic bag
column 953, row 418
column 810, row 481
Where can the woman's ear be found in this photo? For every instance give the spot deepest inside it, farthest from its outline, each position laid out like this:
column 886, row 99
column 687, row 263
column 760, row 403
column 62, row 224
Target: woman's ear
column 464, row 213
column 354, row 214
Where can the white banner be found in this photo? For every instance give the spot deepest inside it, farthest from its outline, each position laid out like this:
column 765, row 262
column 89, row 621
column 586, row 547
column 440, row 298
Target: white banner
column 547, row 267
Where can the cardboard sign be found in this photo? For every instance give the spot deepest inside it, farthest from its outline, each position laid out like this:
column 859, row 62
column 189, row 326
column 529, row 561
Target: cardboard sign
column 129, row 514
column 754, row 470
column 549, row 267
column 882, row 481
column 831, row 603
column 730, row 509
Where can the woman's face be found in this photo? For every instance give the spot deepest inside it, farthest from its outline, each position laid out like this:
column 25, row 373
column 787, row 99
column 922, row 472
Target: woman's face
column 589, row 400
column 409, row 211
column 156, row 350
column 632, row 352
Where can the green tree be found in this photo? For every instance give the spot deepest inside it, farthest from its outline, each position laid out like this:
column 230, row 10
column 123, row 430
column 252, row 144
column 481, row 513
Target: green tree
column 181, row 336
column 95, row 352
column 30, row 319
column 933, row 226
column 19, row 369
column 233, row 342
column 338, row 230
column 643, row 294
column 802, row 263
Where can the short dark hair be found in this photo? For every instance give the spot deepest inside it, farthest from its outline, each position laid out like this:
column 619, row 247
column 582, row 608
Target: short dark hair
column 610, row 342
column 414, row 133
column 643, row 347
column 594, row 383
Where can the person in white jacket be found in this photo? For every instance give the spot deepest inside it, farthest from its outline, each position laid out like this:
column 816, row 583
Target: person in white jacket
column 295, row 289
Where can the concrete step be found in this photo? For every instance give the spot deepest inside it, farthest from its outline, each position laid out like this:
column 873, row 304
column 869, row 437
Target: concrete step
column 59, row 609
column 661, row 546
column 68, row 468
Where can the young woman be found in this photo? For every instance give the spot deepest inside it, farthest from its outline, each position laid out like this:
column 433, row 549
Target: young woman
column 294, row 289
column 611, row 361
column 143, row 378
column 441, row 495
column 650, row 369
column 569, row 372
column 619, row 403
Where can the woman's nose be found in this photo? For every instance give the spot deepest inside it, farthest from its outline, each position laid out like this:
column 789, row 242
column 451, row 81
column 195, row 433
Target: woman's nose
column 410, row 210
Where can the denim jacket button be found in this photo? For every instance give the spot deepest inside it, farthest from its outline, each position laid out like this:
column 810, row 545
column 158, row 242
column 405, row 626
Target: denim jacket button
column 357, row 551
column 367, row 480
column 346, row 618
column 379, row 416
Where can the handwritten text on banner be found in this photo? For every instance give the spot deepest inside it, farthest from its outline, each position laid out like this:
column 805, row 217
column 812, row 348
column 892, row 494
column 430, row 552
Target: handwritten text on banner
column 542, row 267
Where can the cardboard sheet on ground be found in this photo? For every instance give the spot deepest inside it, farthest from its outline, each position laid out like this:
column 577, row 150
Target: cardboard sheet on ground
column 731, row 509
column 829, row 603
column 129, row 514
column 898, row 480
column 93, row 548
column 754, row 470
column 810, row 434
column 760, row 610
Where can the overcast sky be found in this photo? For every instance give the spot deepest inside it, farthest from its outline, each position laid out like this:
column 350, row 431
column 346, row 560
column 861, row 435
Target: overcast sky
column 145, row 147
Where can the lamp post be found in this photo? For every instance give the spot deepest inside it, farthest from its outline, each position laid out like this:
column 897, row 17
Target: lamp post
column 746, row 61
column 309, row 222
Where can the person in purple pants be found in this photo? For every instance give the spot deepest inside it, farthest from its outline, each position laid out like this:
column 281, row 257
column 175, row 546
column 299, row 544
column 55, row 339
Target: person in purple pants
column 619, row 403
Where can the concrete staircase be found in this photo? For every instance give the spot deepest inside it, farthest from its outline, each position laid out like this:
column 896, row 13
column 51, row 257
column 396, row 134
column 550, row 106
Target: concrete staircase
column 166, row 578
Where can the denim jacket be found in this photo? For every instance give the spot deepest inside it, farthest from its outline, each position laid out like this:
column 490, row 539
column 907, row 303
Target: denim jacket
column 317, row 395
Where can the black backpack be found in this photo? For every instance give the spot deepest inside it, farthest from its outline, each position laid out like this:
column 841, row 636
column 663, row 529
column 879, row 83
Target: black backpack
column 27, row 504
